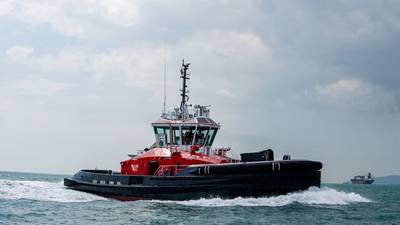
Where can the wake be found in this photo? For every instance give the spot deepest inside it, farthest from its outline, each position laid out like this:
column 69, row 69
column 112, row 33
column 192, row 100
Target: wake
column 56, row 192
column 42, row 191
column 312, row 196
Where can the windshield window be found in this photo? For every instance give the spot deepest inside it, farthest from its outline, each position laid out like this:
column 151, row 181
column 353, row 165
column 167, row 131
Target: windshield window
column 176, row 138
column 210, row 136
column 159, row 131
column 187, row 135
column 201, row 135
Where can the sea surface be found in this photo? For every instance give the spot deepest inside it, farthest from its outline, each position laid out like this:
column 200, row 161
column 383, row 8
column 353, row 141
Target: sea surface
column 41, row 199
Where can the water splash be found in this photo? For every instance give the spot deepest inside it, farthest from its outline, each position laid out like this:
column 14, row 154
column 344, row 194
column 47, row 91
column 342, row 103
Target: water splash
column 42, row 191
column 312, row 196
column 51, row 191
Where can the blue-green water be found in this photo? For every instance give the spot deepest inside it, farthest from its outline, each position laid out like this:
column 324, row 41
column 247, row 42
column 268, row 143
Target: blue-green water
column 42, row 199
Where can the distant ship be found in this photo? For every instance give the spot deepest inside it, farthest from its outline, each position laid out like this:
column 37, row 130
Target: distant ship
column 362, row 179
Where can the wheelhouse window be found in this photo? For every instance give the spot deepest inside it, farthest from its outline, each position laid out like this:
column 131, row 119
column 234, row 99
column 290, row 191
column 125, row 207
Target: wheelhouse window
column 176, row 135
column 187, row 135
column 159, row 130
column 210, row 136
column 162, row 133
column 201, row 135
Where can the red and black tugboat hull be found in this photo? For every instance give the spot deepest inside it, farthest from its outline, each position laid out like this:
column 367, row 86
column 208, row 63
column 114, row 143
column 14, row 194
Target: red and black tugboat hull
column 253, row 179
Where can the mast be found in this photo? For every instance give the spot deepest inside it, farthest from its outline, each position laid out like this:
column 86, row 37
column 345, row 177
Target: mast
column 184, row 91
column 165, row 82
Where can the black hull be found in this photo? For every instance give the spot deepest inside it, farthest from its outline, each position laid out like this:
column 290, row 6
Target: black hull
column 205, row 181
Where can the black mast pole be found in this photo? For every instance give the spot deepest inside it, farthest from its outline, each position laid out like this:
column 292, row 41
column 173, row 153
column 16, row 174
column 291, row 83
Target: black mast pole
column 184, row 94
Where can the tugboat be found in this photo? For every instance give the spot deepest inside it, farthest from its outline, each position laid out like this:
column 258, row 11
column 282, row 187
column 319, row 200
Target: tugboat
column 182, row 164
column 363, row 179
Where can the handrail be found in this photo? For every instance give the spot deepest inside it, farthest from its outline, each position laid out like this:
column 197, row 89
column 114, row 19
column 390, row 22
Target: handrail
column 161, row 170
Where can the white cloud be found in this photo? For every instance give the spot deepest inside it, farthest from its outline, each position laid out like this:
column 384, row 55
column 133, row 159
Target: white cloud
column 19, row 52
column 230, row 45
column 346, row 89
column 224, row 93
column 86, row 19
column 358, row 96
column 40, row 86
column 122, row 12
column 66, row 60
column 141, row 65
column 6, row 7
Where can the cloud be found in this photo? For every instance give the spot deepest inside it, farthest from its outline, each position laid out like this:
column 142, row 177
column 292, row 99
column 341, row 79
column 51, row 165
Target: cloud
column 224, row 93
column 140, row 65
column 358, row 96
column 86, row 19
column 65, row 60
column 344, row 89
column 234, row 46
column 122, row 12
column 351, row 26
column 38, row 87
column 19, row 52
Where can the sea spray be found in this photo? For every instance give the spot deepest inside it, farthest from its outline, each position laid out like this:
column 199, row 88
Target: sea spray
column 42, row 191
column 51, row 191
column 312, row 196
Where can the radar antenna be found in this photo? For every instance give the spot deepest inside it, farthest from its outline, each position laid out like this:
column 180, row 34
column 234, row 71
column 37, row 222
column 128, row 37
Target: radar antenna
column 184, row 92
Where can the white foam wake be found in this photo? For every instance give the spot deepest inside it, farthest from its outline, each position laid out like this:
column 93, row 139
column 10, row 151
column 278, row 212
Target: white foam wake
column 312, row 196
column 42, row 191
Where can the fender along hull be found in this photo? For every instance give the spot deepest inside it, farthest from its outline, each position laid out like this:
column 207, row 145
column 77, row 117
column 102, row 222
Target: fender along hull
column 255, row 179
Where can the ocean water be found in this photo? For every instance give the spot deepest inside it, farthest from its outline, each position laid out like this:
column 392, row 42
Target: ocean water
column 42, row 199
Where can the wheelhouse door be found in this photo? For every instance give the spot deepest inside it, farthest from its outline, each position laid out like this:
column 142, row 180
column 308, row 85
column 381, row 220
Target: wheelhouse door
column 153, row 166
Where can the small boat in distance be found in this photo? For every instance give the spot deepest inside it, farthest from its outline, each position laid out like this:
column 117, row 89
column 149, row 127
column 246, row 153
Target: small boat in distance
column 362, row 179
column 182, row 164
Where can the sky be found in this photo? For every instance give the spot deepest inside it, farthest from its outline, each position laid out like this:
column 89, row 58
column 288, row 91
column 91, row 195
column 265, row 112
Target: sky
column 80, row 81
